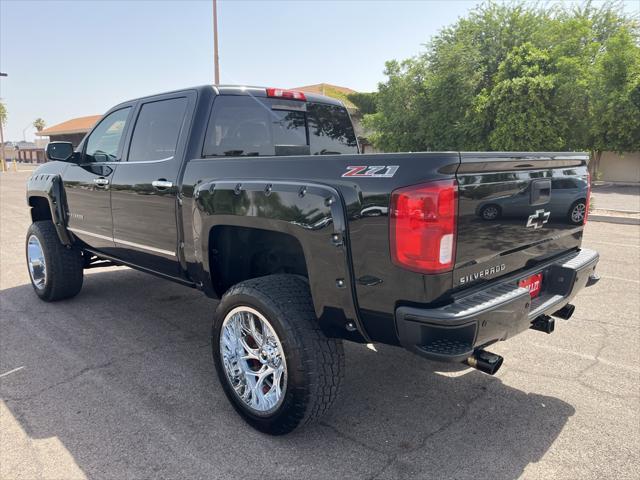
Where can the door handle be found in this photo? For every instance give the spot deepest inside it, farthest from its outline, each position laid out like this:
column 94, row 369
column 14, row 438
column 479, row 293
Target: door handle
column 161, row 184
column 101, row 181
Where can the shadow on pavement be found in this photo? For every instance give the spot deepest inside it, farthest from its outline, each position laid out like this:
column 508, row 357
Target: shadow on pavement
column 122, row 377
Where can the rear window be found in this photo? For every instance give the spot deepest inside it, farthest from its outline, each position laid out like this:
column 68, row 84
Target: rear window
column 330, row 130
column 251, row 126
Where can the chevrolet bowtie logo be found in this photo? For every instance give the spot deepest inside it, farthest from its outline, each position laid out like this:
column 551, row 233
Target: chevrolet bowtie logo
column 538, row 219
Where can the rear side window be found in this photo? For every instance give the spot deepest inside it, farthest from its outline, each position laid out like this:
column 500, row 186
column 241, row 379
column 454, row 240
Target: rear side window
column 252, row 126
column 330, row 130
column 157, row 130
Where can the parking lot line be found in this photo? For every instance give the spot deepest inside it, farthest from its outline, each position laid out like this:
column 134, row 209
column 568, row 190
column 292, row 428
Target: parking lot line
column 620, row 279
column 615, row 244
column 11, row 371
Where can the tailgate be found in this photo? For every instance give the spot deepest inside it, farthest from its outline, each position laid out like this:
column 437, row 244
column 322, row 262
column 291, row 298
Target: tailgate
column 517, row 209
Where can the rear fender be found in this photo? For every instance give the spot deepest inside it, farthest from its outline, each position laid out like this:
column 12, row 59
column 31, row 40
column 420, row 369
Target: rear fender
column 50, row 187
column 311, row 213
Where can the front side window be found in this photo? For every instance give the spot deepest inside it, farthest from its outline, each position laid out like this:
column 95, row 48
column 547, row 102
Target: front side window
column 104, row 142
column 157, row 129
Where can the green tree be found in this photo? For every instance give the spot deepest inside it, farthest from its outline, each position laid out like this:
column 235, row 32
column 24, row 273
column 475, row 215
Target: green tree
column 365, row 102
column 3, row 114
column 397, row 123
column 616, row 95
column 516, row 76
column 579, row 40
column 522, row 103
column 39, row 124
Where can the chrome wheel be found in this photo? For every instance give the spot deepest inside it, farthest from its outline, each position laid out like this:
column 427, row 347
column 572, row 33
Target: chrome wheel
column 36, row 261
column 253, row 360
column 577, row 214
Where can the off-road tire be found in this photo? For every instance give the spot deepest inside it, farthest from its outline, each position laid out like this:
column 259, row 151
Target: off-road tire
column 64, row 265
column 315, row 363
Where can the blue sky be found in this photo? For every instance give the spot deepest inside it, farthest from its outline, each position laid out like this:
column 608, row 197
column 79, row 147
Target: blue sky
column 72, row 58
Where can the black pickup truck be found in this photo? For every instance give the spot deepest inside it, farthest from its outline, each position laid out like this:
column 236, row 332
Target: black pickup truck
column 259, row 197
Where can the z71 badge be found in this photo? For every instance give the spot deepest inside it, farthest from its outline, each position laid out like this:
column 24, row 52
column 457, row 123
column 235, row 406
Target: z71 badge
column 383, row 171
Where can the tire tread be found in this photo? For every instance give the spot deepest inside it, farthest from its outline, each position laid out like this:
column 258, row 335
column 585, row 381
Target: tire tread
column 64, row 265
column 323, row 357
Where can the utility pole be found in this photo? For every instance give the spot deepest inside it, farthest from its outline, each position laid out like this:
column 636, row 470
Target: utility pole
column 216, row 60
column 4, row 164
column 2, row 158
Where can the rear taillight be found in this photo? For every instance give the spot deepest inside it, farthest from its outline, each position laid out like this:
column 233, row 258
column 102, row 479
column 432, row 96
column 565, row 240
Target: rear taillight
column 288, row 94
column 423, row 226
column 588, row 202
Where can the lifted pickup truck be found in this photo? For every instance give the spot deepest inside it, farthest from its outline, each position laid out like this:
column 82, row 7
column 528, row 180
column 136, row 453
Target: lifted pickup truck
column 260, row 198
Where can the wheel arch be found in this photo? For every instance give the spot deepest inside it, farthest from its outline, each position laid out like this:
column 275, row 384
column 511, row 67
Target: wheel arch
column 284, row 227
column 239, row 253
column 578, row 200
column 45, row 196
column 40, row 208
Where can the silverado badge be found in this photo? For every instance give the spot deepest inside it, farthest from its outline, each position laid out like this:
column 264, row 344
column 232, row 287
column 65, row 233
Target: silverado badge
column 538, row 219
column 487, row 272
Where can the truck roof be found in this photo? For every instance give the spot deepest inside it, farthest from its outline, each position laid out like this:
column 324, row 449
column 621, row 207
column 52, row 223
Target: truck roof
column 262, row 92
column 240, row 90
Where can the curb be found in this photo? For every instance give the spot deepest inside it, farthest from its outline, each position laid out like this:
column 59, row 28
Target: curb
column 618, row 210
column 606, row 183
column 612, row 219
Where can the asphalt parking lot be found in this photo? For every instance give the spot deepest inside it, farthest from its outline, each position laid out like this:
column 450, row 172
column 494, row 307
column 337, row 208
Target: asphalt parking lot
column 118, row 383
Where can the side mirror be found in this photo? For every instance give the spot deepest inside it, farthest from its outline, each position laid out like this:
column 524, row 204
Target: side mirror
column 60, row 151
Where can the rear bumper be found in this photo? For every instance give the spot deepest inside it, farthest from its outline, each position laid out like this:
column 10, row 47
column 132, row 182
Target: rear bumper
column 494, row 312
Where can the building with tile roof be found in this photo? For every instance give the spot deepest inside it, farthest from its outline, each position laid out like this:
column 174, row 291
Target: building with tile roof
column 72, row 130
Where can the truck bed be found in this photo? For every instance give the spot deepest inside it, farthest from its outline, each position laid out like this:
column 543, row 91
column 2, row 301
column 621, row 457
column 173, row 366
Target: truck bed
column 485, row 249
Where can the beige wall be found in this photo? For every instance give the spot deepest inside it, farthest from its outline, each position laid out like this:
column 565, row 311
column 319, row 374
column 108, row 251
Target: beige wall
column 41, row 142
column 615, row 167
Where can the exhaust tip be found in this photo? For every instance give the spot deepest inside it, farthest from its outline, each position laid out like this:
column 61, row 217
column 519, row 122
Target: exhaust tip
column 593, row 279
column 543, row 323
column 484, row 361
column 565, row 312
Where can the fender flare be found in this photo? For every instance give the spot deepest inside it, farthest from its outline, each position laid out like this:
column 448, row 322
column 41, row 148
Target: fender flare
column 314, row 214
column 50, row 187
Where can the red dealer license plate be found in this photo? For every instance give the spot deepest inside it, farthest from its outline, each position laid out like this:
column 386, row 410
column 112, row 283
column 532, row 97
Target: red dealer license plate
column 533, row 283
